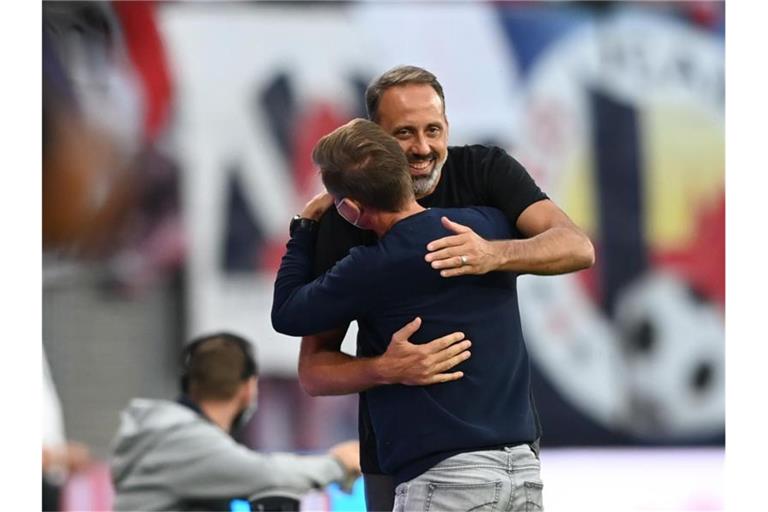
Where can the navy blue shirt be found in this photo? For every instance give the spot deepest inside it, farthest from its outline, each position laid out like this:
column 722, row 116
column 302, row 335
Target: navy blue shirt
column 472, row 176
column 383, row 287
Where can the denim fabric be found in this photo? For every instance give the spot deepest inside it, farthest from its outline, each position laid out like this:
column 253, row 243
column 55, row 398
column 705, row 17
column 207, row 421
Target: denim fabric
column 495, row 480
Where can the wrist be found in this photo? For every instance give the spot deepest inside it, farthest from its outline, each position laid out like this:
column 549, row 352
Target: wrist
column 299, row 223
column 317, row 206
column 378, row 374
column 338, row 460
column 503, row 253
column 311, row 214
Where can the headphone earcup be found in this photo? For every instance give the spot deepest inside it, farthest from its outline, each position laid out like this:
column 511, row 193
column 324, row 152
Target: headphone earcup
column 184, row 384
column 186, row 359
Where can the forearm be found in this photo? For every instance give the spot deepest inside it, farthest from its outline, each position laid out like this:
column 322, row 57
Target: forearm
column 304, row 472
column 325, row 370
column 336, row 373
column 293, row 274
column 239, row 471
column 558, row 250
column 302, row 306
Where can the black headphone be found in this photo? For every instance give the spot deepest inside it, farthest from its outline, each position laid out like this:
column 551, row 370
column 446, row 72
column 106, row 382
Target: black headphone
column 250, row 370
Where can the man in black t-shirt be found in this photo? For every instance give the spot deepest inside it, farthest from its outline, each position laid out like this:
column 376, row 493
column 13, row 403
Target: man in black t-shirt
column 408, row 102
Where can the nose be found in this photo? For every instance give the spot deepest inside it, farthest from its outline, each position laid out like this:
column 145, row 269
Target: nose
column 421, row 146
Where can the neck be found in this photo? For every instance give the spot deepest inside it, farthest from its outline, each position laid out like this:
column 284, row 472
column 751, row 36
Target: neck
column 222, row 413
column 385, row 220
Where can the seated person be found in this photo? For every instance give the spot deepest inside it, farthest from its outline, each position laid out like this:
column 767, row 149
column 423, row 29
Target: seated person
column 172, row 455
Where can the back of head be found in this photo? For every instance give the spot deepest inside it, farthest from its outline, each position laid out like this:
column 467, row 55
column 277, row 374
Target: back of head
column 216, row 365
column 360, row 161
column 399, row 76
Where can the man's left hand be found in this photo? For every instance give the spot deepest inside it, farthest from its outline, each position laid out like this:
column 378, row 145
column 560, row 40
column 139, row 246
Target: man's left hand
column 316, row 207
column 463, row 253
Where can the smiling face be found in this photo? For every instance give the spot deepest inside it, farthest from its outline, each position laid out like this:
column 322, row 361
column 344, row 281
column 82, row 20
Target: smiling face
column 414, row 115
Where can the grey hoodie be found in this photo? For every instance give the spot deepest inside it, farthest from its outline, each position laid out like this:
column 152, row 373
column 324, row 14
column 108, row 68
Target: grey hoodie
column 165, row 452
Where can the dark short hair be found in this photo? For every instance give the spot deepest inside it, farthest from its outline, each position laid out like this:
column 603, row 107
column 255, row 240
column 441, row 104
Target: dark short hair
column 215, row 365
column 361, row 161
column 400, row 75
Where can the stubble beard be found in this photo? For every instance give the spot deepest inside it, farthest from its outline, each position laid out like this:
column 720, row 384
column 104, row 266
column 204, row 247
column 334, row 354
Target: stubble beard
column 424, row 185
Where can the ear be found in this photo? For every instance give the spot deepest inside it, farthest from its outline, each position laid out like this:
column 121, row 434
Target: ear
column 248, row 391
column 243, row 393
column 355, row 206
column 368, row 217
column 364, row 214
column 253, row 384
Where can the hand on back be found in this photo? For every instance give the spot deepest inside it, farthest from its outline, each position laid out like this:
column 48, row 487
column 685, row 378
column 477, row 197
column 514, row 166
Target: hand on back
column 419, row 365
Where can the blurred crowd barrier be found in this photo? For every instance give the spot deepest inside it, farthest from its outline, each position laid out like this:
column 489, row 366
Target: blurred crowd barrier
column 176, row 147
column 575, row 479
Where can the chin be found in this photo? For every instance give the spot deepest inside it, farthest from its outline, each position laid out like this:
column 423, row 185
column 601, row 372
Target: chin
column 424, row 185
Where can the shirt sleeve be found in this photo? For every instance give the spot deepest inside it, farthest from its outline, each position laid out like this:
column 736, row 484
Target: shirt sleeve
column 508, row 186
column 335, row 238
column 302, row 306
column 222, row 467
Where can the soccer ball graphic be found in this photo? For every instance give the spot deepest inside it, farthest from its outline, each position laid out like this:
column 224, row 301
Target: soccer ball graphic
column 673, row 344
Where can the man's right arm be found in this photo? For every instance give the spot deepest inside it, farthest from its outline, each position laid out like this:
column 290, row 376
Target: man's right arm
column 325, row 370
column 224, row 468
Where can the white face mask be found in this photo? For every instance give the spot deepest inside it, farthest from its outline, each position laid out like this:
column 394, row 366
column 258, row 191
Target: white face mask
column 344, row 206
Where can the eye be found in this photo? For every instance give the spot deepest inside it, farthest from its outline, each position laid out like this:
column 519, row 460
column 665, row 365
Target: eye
column 434, row 130
column 402, row 133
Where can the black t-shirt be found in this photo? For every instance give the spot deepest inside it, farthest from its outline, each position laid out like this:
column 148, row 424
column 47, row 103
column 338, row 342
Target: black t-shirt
column 472, row 176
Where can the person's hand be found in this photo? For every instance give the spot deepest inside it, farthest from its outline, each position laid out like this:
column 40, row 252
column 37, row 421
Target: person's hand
column 420, row 365
column 78, row 456
column 72, row 456
column 348, row 454
column 316, row 207
column 463, row 253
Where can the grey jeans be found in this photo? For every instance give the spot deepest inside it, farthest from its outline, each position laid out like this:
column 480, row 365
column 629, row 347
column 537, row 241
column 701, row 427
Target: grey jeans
column 495, row 480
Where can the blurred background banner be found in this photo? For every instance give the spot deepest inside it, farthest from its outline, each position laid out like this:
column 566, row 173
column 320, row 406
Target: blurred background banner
column 180, row 134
